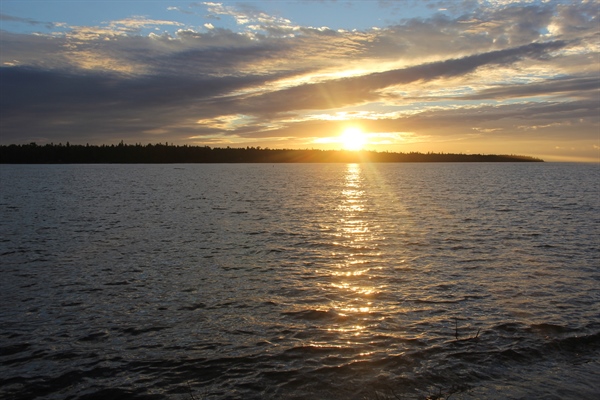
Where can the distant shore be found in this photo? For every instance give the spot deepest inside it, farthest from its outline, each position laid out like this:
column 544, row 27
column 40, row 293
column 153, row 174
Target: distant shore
column 172, row 154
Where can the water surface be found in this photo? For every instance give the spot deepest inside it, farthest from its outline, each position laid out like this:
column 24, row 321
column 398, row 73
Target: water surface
column 300, row 281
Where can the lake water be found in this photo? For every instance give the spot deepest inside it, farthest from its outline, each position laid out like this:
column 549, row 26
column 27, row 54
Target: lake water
column 300, row 281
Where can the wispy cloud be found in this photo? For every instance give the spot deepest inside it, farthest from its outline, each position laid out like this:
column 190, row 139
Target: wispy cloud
column 29, row 21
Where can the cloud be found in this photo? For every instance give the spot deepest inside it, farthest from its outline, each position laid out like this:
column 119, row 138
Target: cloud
column 114, row 29
column 173, row 8
column 490, row 72
column 28, row 21
column 356, row 90
column 175, row 104
column 246, row 14
column 136, row 23
column 572, row 87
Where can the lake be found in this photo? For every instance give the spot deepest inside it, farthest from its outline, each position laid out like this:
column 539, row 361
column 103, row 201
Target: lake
column 300, row 281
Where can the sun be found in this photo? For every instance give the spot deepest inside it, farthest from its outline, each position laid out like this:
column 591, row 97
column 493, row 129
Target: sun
column 353, row 138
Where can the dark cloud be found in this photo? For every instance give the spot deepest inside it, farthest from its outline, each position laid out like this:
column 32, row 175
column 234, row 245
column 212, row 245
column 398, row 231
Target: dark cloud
column 572, row 87
column 356, row 90
column 511, row 115
column 28, row 21
column 58, row 103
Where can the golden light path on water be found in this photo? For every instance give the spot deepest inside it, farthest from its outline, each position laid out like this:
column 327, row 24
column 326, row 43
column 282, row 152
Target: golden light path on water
column 354, row 236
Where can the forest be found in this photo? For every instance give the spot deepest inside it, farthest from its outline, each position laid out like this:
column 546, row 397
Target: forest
column 122, row 153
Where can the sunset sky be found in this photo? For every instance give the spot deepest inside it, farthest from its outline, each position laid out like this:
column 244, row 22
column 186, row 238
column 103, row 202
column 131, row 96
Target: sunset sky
column 470, row 76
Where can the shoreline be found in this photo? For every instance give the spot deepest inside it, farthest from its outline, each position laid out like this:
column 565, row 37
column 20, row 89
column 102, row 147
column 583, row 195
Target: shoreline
column 184, row 154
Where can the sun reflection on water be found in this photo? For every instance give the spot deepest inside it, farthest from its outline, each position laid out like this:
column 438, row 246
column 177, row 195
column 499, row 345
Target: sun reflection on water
column 354, row 241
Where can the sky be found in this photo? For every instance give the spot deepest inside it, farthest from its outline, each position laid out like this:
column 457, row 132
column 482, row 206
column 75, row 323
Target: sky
column 464, row 76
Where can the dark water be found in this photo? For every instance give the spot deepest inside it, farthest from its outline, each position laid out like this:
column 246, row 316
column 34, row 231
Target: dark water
column 295, row 281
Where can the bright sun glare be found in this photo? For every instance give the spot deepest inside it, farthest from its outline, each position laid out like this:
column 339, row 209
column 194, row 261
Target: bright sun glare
column 353, row 138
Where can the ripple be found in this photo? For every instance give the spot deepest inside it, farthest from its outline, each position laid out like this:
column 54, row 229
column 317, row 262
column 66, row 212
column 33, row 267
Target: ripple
column 301, row 281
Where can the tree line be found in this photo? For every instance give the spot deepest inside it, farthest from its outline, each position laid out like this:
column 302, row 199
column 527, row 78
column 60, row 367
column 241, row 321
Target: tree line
column 121, row 153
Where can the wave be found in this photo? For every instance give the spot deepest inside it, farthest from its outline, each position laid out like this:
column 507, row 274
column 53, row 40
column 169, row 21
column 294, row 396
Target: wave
column 408, row 368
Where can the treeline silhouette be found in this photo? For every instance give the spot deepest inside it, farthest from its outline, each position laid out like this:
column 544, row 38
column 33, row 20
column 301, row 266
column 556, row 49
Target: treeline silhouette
column 164, row 153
